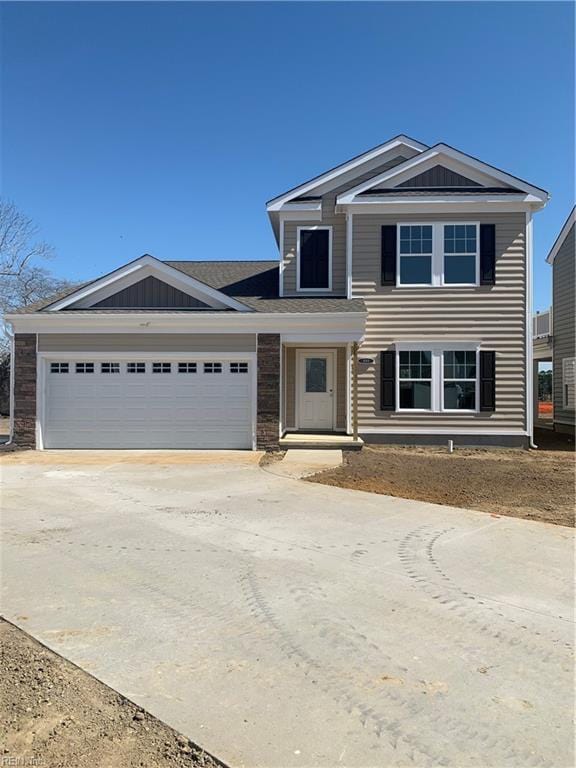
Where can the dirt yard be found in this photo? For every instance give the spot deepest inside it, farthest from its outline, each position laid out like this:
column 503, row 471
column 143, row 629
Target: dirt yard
column 54, row 714
column 536, row 485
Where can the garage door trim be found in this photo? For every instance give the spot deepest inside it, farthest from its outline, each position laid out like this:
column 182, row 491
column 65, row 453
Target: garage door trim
column 44, row 359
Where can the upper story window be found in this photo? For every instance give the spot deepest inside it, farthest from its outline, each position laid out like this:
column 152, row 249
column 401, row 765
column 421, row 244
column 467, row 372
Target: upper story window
column 460, row 253
column 436, row 254
column 314, row 258
column 416, row 255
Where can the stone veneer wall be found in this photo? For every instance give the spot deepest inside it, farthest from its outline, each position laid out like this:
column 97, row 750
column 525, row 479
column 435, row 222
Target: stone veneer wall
column 24, row 405
column 268, row 400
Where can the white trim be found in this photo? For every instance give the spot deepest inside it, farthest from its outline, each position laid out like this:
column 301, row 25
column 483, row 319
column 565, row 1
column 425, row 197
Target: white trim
column 135, row 271
column 282, row 385
column 440, row 431
column 349, row 241
column 350, row 326
column 282, row 263
column 348, row 389
column 436, row 154
column 314, row 228
column 528, row 373
column 437, row 206
column 559, row 242
column 277, row 202
column 437, row 350
column 331, row 354
column 438, row 254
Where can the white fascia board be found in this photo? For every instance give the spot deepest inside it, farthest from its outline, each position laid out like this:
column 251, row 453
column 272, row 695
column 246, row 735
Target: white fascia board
column 310, row 324
column 562, row 236
column 138, row 269
column 276, row 203
column 437, row 154
column 440, row 206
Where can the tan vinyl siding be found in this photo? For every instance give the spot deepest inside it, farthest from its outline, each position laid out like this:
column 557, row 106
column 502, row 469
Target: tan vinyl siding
column 563, row 319
column 338, row 223
column 494, row 315
column 146, row 342
column 289, row 373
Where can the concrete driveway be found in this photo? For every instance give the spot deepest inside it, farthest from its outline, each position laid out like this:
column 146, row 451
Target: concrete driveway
column 281, row 623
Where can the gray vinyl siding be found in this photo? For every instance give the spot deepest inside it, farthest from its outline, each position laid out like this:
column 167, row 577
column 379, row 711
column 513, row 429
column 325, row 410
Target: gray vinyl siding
column 563, row 319
column 338, row 223
column 151, row 293
column 494, row 315
column 439, row 176
column 289, row 394
column 146, row 342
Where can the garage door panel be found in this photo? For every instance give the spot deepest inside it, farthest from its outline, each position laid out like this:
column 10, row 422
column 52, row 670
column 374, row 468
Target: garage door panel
column 148, row 410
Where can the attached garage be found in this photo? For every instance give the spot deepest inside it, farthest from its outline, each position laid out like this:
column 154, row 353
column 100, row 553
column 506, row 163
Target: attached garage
column 144, row 402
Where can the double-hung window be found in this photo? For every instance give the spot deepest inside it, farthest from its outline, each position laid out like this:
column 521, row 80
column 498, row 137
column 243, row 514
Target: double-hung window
column 314, row 258
column 416, row 254
column 438, row 254
column 415, row 374
column 460, row 387
column 437, row 378
column 460, row 254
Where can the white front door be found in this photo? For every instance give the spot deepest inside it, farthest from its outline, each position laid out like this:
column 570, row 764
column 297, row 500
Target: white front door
column 316, row 389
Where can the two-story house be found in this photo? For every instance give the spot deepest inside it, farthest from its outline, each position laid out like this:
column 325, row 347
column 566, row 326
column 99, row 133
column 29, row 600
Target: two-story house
column 399, row 311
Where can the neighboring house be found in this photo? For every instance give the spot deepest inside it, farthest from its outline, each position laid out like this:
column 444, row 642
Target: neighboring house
column 555, row 330
column 399, row 311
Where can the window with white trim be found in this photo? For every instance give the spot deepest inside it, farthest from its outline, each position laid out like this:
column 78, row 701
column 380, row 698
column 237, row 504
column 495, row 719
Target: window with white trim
column 84, row 367
column 187, row 367
column 161, row 367
column 59, row 367
column 314, row 258
column 437, row 378
column 460, row 254
column 438, row 254
column 460, row 383
column 415, row 244
column 135, row 367
column 212, row 367
column 569, row 383
column 415, row 380
column 238, row 367
column 109, row 367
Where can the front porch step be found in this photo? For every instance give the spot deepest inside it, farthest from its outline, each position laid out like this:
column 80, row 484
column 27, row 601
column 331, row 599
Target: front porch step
column 320, row 440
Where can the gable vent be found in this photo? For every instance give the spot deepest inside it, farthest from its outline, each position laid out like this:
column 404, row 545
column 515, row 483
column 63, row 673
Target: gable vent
column 439, row 176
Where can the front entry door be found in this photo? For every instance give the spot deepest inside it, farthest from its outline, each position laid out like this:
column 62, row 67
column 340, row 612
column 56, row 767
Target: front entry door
column 316, row 390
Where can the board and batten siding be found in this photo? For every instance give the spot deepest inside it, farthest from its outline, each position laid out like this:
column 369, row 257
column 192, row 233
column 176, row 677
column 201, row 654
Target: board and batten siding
column 494, row 315
column 290, row 382
column 338, row 223
column 146, row 342
column 563, row 319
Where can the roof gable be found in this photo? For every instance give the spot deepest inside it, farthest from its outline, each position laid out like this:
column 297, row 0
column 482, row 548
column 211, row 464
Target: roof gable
column 151, row 293
column 457, row 166
column 123, row 282
column 561, row 239
column 335, row 176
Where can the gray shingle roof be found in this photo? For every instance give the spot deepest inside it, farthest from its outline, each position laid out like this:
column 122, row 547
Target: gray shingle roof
column 253, row 283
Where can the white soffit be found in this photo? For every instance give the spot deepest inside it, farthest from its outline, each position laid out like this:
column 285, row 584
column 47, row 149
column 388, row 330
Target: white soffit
column 137, row 270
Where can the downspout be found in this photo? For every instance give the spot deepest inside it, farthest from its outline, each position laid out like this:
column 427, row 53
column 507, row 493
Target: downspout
column 10, row 333
column 529, row 349
column 355, row 391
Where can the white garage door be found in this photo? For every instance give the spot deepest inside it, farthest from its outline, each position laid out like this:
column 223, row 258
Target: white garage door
column 135, row 403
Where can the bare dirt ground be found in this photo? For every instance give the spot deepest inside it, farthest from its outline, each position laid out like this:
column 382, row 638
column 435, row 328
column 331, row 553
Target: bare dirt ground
column 54, row 714
column 536, row 485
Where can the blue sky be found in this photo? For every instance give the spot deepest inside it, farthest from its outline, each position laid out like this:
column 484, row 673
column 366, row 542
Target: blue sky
column 164, row 127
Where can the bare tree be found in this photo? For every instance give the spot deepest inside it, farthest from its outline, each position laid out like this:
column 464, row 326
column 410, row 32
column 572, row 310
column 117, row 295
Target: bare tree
column 19, row 243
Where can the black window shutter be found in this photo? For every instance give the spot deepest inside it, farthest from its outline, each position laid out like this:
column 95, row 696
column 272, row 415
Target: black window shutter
column 314, row 258
column 487, row 381
column 388, row 381
column 388, row 257
column 487, row 254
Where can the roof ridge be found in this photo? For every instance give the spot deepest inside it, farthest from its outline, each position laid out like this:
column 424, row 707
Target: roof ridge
column 221, row 261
